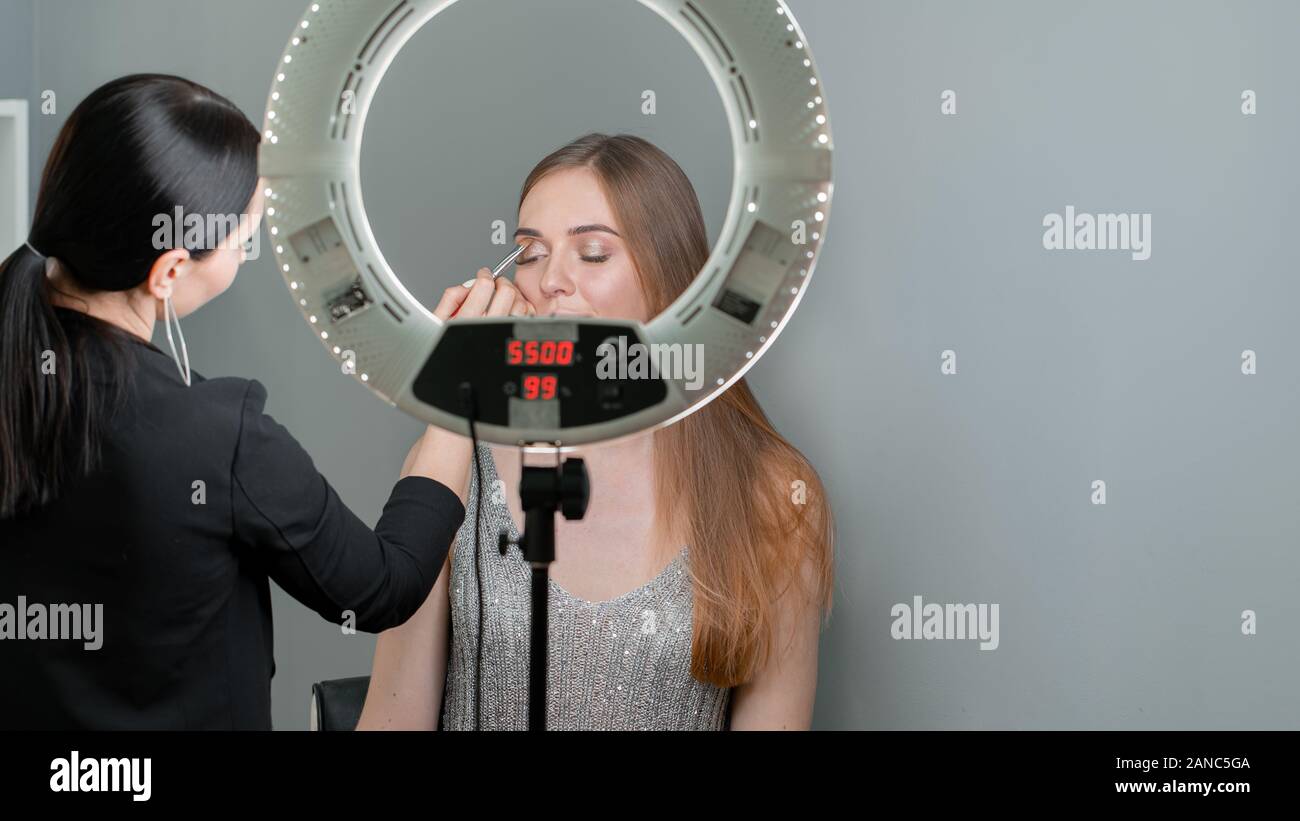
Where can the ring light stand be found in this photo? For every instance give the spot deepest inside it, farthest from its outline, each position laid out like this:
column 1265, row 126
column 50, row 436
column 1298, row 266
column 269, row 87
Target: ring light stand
column 543, row 492
column 739, row 302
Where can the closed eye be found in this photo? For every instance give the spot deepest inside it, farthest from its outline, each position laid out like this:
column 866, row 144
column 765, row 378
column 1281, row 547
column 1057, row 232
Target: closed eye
column 599, row 259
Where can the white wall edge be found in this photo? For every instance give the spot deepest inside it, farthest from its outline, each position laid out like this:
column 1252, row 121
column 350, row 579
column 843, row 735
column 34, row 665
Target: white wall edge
column 16, row 110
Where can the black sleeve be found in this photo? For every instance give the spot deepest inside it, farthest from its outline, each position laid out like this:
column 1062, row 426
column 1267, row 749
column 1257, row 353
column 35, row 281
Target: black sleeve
column 317, row 549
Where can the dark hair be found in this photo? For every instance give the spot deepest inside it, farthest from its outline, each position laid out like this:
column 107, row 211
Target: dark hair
column 137, row 147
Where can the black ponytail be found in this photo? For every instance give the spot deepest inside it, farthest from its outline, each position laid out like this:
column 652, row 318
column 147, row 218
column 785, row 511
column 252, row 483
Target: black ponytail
column 136, row 148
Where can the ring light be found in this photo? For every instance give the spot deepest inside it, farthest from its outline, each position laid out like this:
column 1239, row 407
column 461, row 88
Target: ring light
column 536, row 380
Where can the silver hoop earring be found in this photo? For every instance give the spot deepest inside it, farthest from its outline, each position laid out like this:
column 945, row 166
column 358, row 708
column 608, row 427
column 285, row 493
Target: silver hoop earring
column 169, row 316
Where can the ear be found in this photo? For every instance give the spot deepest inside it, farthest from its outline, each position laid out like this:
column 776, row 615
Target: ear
column 165, row 271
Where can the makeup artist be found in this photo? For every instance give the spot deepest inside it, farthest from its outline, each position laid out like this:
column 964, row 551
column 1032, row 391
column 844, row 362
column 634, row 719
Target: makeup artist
column 129, row 482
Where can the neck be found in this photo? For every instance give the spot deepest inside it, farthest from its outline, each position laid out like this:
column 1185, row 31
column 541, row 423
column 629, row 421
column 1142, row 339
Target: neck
column 627, row 453
column 628, row 461
column 132, row 311
column 623, row 477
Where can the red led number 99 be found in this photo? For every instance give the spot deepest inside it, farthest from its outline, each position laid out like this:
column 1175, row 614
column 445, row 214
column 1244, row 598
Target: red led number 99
column 540, row 386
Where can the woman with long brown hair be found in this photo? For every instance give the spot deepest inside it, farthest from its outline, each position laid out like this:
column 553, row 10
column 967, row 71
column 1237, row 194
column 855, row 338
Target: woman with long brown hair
column 692, row 594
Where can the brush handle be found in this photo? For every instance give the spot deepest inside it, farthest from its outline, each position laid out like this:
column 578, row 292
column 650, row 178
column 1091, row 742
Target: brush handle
column 496, row 272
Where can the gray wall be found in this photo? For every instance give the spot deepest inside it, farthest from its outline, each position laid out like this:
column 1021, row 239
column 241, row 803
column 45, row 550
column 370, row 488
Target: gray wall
column 17, row 57
column 973, row 487
column 515, row 101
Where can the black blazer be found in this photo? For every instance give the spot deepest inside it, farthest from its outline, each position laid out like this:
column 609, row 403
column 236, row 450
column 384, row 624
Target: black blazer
column 201, row 499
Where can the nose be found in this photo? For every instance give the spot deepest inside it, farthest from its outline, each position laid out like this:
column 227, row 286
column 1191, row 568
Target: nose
column 557, row 282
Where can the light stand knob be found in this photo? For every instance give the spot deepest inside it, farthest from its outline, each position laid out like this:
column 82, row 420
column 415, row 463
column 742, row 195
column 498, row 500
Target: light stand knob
column 575, row 490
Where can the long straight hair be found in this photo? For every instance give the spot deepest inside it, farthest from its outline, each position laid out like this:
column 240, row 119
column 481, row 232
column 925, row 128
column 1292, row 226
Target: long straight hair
column 137, row 147
column 724, row 477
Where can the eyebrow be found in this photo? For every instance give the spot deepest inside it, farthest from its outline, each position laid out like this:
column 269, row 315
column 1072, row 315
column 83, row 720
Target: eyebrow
column 574, row 231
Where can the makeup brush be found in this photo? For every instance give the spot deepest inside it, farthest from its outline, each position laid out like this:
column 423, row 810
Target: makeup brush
column 500, row 267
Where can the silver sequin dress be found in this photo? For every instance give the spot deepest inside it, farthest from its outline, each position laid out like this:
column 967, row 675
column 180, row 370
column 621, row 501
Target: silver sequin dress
column 622, row 664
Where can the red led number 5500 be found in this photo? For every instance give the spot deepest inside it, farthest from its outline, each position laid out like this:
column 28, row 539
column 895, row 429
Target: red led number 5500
column 539, row 352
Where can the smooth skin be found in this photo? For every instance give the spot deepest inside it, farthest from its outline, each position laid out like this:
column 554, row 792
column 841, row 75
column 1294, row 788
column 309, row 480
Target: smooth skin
column 577, row 264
